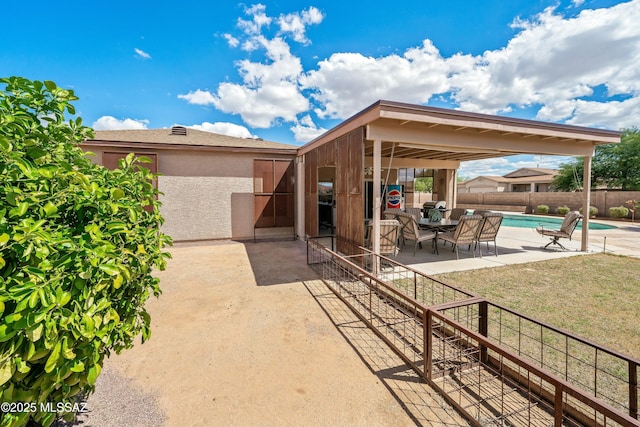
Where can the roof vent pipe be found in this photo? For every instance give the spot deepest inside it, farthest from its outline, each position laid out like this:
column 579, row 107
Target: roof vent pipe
column 178, row 130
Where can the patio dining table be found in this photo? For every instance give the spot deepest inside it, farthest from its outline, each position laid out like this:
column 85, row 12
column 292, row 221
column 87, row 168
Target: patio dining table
column 438, row 226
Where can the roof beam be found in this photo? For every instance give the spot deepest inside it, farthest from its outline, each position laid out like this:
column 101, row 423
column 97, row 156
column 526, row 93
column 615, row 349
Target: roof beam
column 474, row 142
column 415, row 163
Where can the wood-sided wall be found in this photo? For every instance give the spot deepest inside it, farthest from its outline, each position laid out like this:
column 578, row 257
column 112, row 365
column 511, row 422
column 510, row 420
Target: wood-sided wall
column 346, row 153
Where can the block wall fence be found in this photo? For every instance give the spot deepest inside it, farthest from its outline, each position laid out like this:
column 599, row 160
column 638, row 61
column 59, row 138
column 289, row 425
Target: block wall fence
column 602, row 200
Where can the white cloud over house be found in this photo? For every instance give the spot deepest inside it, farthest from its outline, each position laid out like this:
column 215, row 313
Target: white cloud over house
column 225, row 128
column 111, row 123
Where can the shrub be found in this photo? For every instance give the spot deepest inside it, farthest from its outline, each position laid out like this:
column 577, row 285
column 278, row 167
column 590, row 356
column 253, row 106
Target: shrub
column 542, row 209
column 593, row 211
column 619, row 212
column 78, row 243
column 563, row 210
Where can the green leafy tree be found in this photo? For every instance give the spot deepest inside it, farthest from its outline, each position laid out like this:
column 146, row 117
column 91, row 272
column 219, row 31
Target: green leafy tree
column 78, row 244
column 570, row 176
column 424, row 184
column 613, row 165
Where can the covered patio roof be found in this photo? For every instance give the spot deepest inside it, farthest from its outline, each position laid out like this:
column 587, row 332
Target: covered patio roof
column 430, row 133
column 399, row 135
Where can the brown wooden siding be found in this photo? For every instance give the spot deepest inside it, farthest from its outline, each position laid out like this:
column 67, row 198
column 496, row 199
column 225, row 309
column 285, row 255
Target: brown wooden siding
column 311, row 193
column 346, row 153
column 273, row 193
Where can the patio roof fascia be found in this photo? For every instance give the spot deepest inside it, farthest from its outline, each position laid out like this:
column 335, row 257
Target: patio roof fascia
column 485, row 122
column 486, row 144
column 545, row 138
column 362, row 118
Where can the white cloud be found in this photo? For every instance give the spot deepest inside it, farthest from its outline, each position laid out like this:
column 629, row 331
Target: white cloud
column 111, row 123
column 259, row 19
column 348, row 82
column 579, row 69
column 269, row 91
column 306, row 130
column 232, row 41
column 225, row 128
column 296, row 23
column 553, row 62
column 199, row 97
column 142, row 54
column 613, row 114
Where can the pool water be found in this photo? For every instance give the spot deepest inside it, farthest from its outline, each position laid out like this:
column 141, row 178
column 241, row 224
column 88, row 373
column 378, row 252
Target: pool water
column 530, row 221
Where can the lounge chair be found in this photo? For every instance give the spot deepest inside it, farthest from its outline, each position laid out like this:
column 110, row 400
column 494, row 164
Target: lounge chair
column 465, row 233
column 489, row 231
column 411, row 231
column 569, row 224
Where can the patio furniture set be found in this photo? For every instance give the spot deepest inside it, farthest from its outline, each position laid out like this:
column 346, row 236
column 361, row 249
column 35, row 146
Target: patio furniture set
column 399, row 227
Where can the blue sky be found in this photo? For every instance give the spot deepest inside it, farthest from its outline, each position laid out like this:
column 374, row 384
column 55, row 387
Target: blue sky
column 287, row 71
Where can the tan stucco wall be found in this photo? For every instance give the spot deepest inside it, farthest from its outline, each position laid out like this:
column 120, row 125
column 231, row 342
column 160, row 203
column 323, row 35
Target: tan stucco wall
column 207, row 194
column 202, row 208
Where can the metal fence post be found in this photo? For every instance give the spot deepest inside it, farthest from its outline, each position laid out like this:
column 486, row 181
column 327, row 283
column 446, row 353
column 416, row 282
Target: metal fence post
column 633, row 389
column 483, row 328
column 428, row 342
column 557, row 407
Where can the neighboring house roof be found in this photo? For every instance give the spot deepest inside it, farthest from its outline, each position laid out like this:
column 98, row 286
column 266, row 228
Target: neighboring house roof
column 184, row 137
column 523, row 175
column 529, row 179
column 530, row 172
column 484, row 177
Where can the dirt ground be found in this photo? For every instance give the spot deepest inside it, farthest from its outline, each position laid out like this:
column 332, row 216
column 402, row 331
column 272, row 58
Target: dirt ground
column 245, row 335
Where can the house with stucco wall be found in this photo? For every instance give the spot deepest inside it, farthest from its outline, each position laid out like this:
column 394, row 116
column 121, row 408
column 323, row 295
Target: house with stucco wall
column 528, row 180
column 213, row 186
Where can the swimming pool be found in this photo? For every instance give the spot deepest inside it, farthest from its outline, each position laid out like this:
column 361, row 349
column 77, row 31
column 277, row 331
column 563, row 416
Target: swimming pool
column 533, row 221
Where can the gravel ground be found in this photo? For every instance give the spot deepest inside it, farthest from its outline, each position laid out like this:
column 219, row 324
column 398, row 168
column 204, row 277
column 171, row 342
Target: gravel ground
column 118, row 402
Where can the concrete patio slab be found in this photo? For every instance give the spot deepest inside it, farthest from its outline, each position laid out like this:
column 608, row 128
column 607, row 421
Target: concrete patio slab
column 522, row 245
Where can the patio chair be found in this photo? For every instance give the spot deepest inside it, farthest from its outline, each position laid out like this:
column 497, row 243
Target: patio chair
column 456, row 213
column 390, row 213
column 465, row 233
column 416, row 212
column 389, row 229
column 569, row 224
column 489, row 231
column 481, row 212
column 411, row 231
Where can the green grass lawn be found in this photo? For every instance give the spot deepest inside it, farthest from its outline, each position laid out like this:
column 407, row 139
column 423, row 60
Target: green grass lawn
column 593, row 296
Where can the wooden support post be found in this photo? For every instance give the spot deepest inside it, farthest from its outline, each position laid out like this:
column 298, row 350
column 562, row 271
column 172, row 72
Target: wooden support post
column 586, row 193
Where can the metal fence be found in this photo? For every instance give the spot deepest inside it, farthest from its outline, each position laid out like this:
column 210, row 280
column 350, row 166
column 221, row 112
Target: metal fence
column 494, row 365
